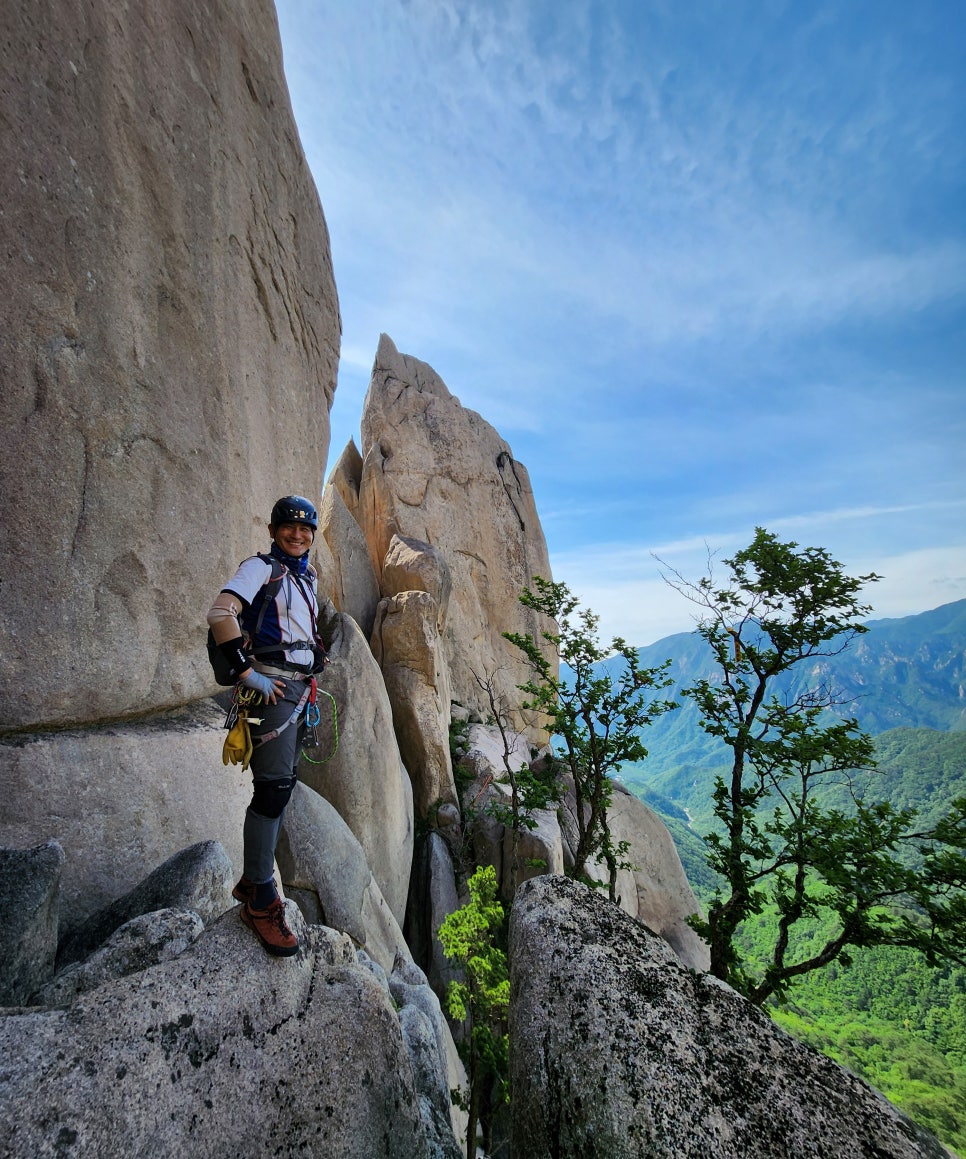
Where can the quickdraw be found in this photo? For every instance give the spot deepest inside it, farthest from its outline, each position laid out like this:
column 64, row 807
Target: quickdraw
column 313, row 717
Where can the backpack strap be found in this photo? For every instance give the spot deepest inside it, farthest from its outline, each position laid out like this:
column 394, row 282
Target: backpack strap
column 308, row 597
column 316, row 644
column 278, row 570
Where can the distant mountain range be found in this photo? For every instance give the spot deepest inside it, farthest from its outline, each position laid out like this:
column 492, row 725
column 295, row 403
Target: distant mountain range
column 906, row 683
column 903, row 673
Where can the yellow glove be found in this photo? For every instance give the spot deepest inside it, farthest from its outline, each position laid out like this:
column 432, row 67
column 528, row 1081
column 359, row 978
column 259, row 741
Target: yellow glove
column 238, row 743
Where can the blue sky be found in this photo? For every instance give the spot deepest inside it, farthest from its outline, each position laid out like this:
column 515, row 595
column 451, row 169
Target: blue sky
column 701, row 264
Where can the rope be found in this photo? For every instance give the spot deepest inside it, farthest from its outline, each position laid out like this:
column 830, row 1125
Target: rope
column 312, row 717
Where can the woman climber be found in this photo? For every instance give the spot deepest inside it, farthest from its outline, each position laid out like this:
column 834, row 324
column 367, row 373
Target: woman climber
column 264, row 624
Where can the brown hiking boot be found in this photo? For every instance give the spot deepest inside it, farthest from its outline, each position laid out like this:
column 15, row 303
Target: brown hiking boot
column 272, row 928
column 244, row 891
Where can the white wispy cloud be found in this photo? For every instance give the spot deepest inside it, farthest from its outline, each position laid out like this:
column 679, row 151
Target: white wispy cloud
column 627, row 588
column 490, row 127
column 701, row 270
column 842, row 514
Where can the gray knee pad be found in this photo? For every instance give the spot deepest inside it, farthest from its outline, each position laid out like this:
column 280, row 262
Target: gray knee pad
column 270, row 797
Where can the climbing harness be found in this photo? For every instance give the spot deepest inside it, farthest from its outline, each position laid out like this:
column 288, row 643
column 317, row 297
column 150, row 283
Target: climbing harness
column 240, row 744
column 266, row 737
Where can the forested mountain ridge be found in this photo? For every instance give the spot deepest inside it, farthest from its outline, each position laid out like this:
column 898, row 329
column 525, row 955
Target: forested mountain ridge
column 905, row 682
column 917, row 768
column 928, row 651
column 902, row 673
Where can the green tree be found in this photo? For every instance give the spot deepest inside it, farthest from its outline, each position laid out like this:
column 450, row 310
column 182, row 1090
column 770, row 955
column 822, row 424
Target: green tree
column 471, row 936
column 530, row 789
column 783, row 607
column 596, row 714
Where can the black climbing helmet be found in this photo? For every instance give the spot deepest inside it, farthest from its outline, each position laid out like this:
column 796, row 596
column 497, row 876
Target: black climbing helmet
column 294, row 509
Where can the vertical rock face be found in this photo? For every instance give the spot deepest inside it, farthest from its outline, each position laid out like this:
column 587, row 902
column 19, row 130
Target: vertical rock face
column 413, row 566
column 168, row 341
column 357, row 767
column 405, row 642
column 656, row 890
column 354, row 589
column 437, row 472
column 432, row 898
column 122, row 800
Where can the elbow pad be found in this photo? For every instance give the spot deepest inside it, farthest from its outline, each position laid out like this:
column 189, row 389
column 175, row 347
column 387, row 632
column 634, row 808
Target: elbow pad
column 234, row 652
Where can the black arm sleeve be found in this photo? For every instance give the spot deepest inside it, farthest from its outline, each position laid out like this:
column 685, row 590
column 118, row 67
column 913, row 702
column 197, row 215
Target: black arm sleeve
column 234, row 652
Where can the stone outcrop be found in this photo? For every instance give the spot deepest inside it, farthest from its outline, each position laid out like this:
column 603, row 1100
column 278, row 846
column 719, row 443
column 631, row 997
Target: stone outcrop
column 29, row 911
column 431, row 1088
column 437, row 472
column 170, row 320
column 215, row 1050
column 414, row 566
column 656, row 890
column 354, row 588
column 327, row 570
column 406, row 645
column 346, row 478
column 360, row 771
column 143, row 941
column 437, row 1069
column 121, row 801
column 619, row 1051
column 198, row 879
column 319, row 854
column 487, row 760
column 432, row 898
